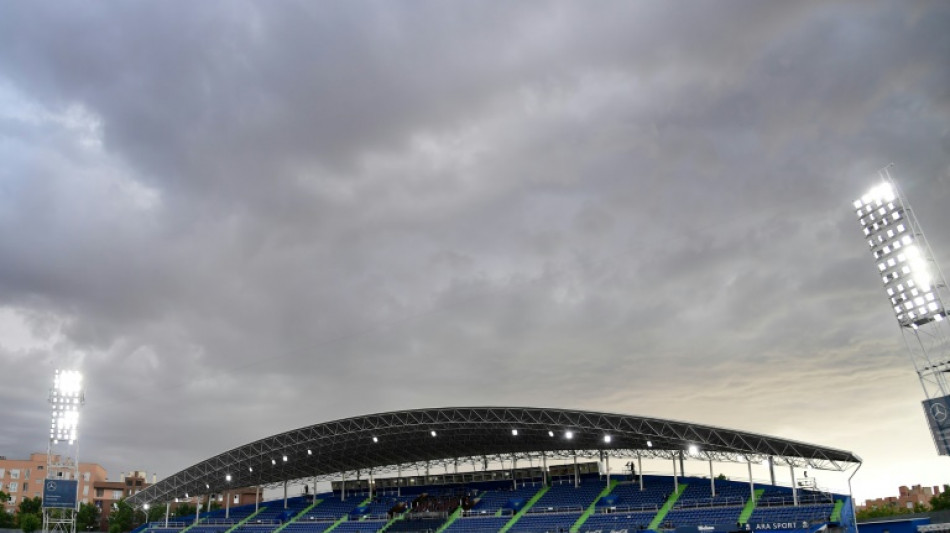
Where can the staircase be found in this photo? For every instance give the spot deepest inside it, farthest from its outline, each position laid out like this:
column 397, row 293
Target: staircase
column 661, row 514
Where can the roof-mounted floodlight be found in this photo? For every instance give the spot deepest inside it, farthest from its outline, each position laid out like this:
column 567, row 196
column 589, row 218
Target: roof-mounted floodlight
column 607, row 439
column 375, row 439
column 550, row 433
column 514, row 433
column 568, row 435
column 693, row 449
column 250, row 469
column 285, row 458
column 273, row 461
column 433, row 433
column 227, row 478
column 649, row 444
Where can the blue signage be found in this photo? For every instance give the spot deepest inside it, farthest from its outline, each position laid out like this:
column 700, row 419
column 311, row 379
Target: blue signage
column 60, row 493
column 938, row 416
column 772, row 526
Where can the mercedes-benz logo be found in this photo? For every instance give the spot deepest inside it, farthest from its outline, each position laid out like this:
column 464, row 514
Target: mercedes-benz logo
column 939, row 412
column 51, row 485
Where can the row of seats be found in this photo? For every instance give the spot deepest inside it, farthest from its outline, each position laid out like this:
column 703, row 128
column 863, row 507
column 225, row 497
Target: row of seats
column 625, row 507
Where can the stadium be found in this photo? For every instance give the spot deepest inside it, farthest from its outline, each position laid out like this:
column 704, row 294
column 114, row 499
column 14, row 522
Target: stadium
column 505, row 469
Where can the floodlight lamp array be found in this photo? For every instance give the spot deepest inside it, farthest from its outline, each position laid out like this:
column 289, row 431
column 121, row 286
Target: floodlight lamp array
column 68, row 383
column 904, row 268
column 66, row 398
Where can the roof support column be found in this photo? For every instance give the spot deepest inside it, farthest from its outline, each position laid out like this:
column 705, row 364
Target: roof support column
column 257, row 497
column 314, row 491
column 343, row 486
column 791, row 470
column 676, row 480
column 168, row 508
column 197, row 507
column 640, row 470
column 227, row 505
column 285, row 494
column 751, row 483
column 772, row 470
column 577, row 479
column 712, row 480
column 607, row 462
column 399, row 481
column 544, row 468
column 514, row 466
column 682, row 467
column 456, row 465
column 208, row 507
column 370, row 482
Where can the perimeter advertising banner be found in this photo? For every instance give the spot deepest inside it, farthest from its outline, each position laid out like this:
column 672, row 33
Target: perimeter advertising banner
column 60, row 493
column 938, row 416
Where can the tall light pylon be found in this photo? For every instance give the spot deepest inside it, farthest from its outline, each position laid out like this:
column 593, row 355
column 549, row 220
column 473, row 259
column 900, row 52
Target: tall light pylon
column 917, row 291
column 61, row 486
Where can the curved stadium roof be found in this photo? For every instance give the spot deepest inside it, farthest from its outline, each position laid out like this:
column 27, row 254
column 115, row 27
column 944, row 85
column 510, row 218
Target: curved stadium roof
column 383, row 442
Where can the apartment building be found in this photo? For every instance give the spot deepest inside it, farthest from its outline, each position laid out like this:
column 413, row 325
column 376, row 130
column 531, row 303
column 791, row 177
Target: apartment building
column 22, row 478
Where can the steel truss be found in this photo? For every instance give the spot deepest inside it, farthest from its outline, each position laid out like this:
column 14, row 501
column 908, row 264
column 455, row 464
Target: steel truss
column 403, row 441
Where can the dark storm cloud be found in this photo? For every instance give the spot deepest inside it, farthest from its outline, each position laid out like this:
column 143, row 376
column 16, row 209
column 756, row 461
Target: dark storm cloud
column 243, row 218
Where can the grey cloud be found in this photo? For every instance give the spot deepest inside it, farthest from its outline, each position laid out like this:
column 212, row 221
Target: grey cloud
column 243, row 218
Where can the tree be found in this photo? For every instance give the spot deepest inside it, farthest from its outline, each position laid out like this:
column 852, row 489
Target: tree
column 30, row 514
column 156, row 513
column 185, row 510
column 722, row 477
column 121, row 517
column 30, row 522
column 31, row 506
column 87, row 519
column 941, row 502
column 6, row 519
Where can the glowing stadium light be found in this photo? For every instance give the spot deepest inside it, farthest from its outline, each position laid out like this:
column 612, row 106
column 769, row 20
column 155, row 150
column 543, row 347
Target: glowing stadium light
column 68, row 383
column 250, row 469
column 285, row 458
column 693, row 449
column 66, row 398
column 227, row 478
column 568, row 435
column 273, row 461
column 375, row 439
column 309, row 452
column 514, row 433
column 607, row 439
column 901, row 256
column 433, row 433
column 550, row 433
column 649, row 444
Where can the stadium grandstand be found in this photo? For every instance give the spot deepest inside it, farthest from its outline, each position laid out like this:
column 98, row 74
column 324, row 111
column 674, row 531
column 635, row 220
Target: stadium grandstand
column 555, row 476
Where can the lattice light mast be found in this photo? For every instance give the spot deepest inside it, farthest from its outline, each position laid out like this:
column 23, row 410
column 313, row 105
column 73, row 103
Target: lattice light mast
column 60, row 490
column 917, row 291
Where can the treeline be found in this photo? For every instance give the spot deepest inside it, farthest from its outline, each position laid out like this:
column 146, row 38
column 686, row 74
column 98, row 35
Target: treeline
column 28, row 516
column 940, row 502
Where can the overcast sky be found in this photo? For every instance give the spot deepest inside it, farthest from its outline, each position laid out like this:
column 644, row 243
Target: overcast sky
column 240, row 218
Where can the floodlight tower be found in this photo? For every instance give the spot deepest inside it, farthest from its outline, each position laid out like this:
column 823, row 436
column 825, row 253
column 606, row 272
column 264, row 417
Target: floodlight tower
column 917, row 292
column 60, row 489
